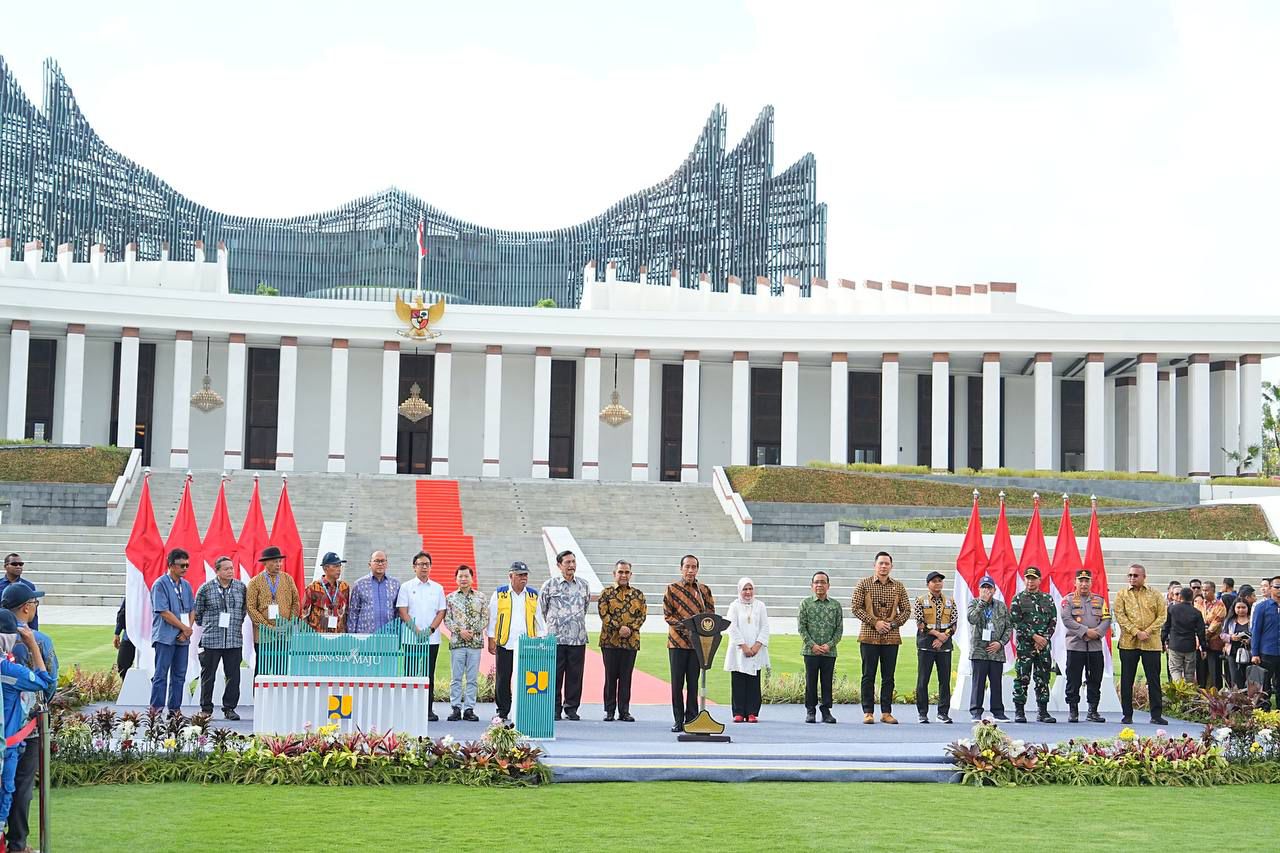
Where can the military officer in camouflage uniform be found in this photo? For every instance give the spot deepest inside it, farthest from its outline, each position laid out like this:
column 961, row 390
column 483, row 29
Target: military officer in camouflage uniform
column 1086, row 619
column 1033, row 616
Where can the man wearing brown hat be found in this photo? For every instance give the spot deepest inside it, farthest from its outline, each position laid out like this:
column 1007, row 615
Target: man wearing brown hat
column 1086, row 619
column 271, row 595
column 1033, row 615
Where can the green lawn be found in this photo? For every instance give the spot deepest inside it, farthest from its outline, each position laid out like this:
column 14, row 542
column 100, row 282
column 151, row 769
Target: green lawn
column 631, row 816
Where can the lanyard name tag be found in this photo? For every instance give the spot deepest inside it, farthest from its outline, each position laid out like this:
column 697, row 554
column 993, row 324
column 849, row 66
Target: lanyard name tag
column 333, row 621
column 224, row 620
column 273, row 611
column 185, row 618
column 986, row 634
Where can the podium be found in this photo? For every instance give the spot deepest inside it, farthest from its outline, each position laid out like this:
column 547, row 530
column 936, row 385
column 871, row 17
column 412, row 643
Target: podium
column 704, row 631
column 535, row 687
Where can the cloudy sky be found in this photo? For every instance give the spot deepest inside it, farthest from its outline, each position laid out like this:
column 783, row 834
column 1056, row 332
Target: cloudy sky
column 1105, row 155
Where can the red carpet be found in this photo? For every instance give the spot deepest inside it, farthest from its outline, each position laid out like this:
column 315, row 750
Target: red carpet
column 440, row 523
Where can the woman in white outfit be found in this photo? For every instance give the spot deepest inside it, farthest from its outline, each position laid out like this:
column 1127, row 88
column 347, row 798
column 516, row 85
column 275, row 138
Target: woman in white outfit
column 748, row 651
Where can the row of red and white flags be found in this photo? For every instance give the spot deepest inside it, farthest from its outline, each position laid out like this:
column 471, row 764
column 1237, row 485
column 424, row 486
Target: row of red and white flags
column 146, row 553
column 1006, row 567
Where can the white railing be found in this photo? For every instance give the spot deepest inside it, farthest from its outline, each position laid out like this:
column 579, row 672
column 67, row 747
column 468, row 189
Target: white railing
column 731, row 502
column 124, row 486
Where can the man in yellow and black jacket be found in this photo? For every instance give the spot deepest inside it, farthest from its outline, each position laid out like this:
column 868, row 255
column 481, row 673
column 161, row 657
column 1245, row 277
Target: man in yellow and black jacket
column 513, row 612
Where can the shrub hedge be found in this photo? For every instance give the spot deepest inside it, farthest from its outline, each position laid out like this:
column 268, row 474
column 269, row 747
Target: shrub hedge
column 29, row 462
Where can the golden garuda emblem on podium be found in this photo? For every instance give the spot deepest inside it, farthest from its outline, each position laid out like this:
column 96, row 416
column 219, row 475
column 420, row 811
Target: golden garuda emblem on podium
column 419, row 317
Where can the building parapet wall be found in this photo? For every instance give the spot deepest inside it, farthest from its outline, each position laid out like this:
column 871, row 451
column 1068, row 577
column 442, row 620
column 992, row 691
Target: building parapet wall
column 196, row 276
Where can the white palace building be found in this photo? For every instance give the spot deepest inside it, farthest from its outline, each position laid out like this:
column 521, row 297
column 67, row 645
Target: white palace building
column 947, row 377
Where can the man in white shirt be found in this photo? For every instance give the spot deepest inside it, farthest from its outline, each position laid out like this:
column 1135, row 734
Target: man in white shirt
column 513, row 612
column 421, row 606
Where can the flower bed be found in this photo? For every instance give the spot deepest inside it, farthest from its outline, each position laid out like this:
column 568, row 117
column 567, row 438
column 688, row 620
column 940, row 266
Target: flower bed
column 107, row 748
column 1240, row 745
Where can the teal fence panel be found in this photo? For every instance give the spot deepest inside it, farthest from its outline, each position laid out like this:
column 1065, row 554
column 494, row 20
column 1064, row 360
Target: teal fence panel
column 535, row 687
column 291, row 647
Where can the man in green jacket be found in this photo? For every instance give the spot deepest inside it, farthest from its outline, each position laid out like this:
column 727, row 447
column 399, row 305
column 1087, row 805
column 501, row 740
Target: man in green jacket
column 1035, row 617
column 989, row 620
column 821, row 624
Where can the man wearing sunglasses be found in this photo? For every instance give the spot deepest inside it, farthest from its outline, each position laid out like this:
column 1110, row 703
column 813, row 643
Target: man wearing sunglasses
column 1140, row 612
column 13, row 574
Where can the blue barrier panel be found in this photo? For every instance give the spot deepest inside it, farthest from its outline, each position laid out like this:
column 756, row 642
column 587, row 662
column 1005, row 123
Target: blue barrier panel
column 535, row 687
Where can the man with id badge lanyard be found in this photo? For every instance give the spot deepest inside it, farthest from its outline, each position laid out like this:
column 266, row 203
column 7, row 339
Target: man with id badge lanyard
column 325, row 604
column 991, row 630
column 271, row 595
column 172, row 606
column 219, row 612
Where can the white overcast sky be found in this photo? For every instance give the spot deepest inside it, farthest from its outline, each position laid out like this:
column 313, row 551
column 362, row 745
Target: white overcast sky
column 1107, row 156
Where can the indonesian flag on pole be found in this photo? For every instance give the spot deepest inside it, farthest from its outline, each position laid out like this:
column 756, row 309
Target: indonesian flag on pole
column 422, row 237
column 1034, row 553
column 253, row 537
column 971, row 565
column 185, row 534
column 1097, row 566
column 143, row 565
column 220, row 541
column 1062, row 576
column 284, row 535
column 1003, row 567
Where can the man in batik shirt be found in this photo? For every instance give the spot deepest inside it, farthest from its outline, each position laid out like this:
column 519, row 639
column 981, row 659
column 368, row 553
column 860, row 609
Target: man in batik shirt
column 564, row 603
column 622, row 613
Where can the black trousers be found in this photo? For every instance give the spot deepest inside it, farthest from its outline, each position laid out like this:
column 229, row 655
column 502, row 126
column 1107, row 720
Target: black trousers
column 618, row 666
column 926, row 660
column 684, row 684
column 886, row 657
column 24, row 782
column 745, row 693
column 1237, row 673
column 570, row 661
column 1209, row 670
column 987, row 672
column 230, row 660
column 506, row 662
column 124, row 659
column 818, row 668
column 1271, row 682
column 1090, row 665
column 1150, row 660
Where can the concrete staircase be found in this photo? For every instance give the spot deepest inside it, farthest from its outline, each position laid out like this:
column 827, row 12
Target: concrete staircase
column 74, row 565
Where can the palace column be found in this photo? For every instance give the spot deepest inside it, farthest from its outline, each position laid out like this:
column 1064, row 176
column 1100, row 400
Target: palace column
column 19, row 353
column 491, row 462
column 640, row 418
column 889, row 408
column 73, row 385
column 127, row 398
column 790, row 408
column 591, row 415
column 1224, row 403
column 1095, row 412
column 1251, row 410
column 940, row 460
column 992, row 429
column 1198, row 415
column 1148, row 414
column 1044, row 412
column 839, row 448
column 338, row 406
column 179, row 444
column 233, row 450
column 740, row 411
column 287, row 403
column 1168, row 423
column 689, row 417
column 390, row 414
column 441, row 393
column 542, row 412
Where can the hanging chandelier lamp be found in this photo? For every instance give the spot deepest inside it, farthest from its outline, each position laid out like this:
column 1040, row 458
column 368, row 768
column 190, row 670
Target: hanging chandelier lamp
column 615, row 414
column 206, row 399
column 414, row 408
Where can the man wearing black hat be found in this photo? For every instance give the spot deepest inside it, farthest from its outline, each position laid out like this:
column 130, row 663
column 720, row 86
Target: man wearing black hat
column 23, row 600
column 1086, row 619
column 513, row 613
column 324, row 604
column 220, row 615
column 271, row 595
column 1033, row 616
column 935, row 616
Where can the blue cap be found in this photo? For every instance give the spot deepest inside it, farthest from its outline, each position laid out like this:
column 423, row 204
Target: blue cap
column 17, row 594
column 8, row 622
column 987, row 581
column 331, row 559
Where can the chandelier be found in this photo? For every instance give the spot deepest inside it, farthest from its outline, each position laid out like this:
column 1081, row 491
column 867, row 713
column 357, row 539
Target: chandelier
column 206, row 399
column 615, row 414
column 414, row 408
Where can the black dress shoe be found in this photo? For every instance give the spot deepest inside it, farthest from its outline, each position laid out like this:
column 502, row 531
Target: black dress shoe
column 626, row 718
column 1127, row 719
column 678, row 727
column 456, row 715
column 470, row 716
column 810, row 716
column 1159, row 721
column 231, row 715
column 572, row 715
column 608, row 718
column 431, row 715
column 827, row 718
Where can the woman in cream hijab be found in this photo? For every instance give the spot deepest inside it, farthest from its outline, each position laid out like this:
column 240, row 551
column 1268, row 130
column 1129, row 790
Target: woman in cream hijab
column 748, row 650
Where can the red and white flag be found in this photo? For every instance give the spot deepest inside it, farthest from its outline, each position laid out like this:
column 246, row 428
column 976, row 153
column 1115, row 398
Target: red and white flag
column 220, row 541
column 1003, row 567
column 253, row 537
column 1097, row 566
column 1062, row 576
column 971, row 566
column 1034, row 553
column 422, row 237
column 284, row 535
column 143, row 564
column 185, row 534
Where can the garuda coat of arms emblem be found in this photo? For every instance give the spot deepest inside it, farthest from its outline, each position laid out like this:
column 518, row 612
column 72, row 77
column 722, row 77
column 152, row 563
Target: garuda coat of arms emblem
column 419, row 317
